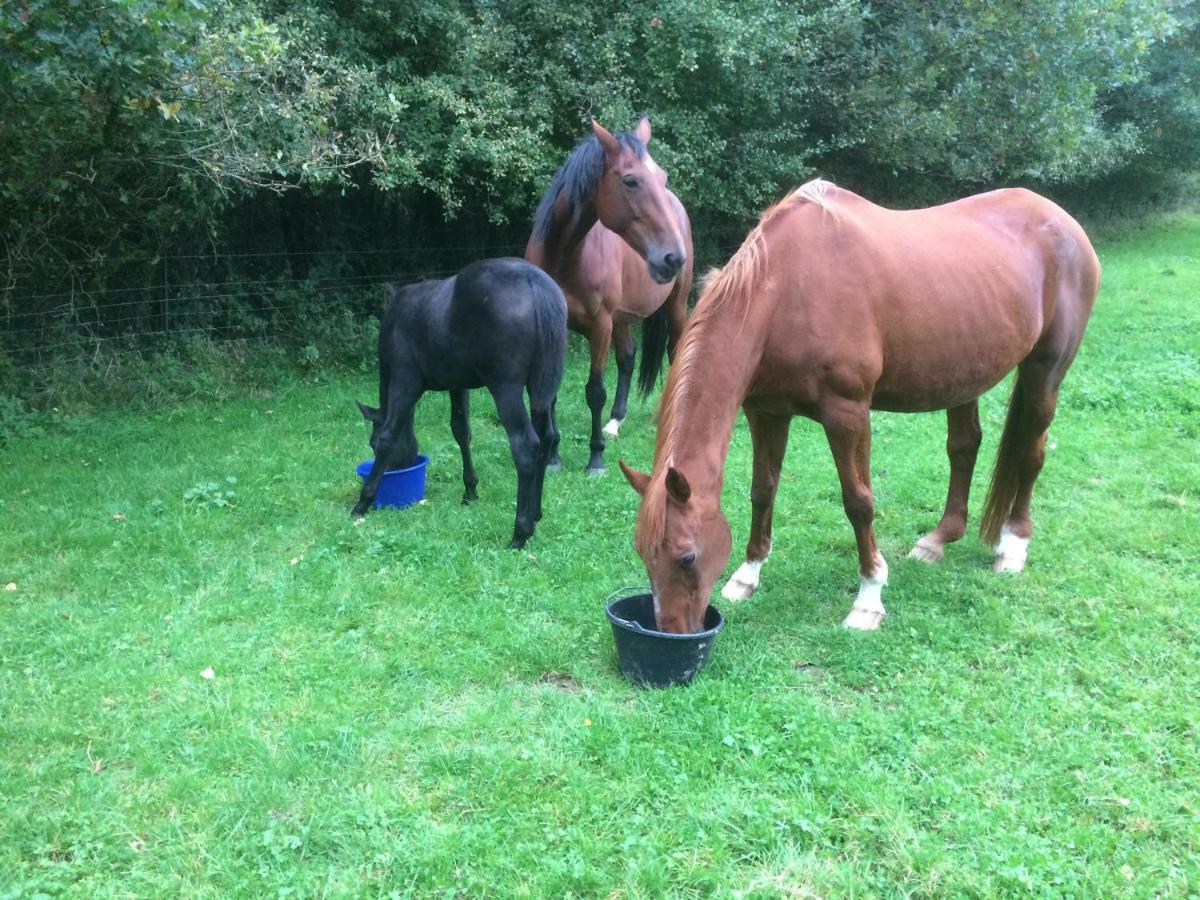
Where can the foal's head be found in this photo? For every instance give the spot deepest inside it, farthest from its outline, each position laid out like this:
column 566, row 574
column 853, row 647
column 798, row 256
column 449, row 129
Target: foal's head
column 400, row 451
column 684, row 540
column 632, row 200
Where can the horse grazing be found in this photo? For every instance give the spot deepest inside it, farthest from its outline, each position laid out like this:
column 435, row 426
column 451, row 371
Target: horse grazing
column 620, row 246
column 832, row 307
column 499, row 324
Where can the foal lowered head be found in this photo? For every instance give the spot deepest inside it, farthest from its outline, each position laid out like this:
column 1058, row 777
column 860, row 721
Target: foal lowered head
column 632, row 200
column 684, row 540
column 404, row 448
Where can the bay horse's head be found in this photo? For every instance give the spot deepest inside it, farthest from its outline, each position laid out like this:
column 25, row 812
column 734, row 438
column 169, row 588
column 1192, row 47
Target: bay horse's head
column 684, row 540
column 632, row 200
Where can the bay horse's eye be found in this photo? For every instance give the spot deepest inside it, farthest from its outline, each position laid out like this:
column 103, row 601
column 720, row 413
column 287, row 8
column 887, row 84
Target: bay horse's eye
column 630, row 182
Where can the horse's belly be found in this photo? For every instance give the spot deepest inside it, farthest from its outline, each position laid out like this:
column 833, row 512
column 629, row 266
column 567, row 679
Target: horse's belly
column 942, row 375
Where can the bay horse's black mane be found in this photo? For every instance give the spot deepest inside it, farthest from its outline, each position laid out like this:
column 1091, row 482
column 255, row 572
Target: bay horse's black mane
column 577, row 177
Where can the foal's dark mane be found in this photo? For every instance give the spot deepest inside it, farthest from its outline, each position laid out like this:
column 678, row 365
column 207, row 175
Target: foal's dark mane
column 577, row 178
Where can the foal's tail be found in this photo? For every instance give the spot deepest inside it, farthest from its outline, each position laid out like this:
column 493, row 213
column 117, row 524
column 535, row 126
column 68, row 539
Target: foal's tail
column 654, row 347
column 550, row 356
column 1006, row 475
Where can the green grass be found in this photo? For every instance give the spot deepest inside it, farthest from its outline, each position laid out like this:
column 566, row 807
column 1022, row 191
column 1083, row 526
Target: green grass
column 404, row 707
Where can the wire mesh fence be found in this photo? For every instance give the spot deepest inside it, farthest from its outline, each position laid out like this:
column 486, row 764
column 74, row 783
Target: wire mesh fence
column 215, row 297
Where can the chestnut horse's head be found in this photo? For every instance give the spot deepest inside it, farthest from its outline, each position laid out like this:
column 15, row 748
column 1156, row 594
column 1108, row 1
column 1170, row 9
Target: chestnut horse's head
column 632, row 200
column 684, row 540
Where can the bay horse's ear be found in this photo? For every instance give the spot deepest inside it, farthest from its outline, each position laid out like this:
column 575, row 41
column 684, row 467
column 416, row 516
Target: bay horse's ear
column 607, row 141
column 370, row 413
column 643, row 130
column 639, row 481
column 678, row 488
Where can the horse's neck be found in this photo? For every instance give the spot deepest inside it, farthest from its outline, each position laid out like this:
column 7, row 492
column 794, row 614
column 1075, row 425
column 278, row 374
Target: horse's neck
column 562, row 247
column 715, row 374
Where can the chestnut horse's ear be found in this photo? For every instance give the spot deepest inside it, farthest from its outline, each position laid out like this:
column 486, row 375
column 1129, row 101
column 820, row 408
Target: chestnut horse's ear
column 370, row 413
column 639, row 481
column 607, row 141
column 678, row 488
column 643, row 130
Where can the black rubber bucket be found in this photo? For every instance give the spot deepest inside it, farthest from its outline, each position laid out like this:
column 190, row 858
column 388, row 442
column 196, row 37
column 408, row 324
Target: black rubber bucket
column 654, row 658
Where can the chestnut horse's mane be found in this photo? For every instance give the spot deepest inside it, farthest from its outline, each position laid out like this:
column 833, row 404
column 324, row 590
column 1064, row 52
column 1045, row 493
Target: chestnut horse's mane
column 733, row 283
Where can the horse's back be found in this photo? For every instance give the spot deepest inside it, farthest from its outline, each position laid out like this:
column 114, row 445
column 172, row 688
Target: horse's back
column 930, row 307
column 506, row 294
column 507, row 318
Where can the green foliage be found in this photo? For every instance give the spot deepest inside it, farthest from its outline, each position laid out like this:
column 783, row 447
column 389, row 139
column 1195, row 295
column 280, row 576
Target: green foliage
column 148, row 144
column 211, row 494
column 17, row 420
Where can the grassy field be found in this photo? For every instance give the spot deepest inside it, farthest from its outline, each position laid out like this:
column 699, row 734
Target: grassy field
column 213, row 683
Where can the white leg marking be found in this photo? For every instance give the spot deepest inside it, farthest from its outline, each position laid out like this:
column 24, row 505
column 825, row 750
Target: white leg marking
column 868, row 611
column 613, row 428
column 1011, row 551
column 744, row 582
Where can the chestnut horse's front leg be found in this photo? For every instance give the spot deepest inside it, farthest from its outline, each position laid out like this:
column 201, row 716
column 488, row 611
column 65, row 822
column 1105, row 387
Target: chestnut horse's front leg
column 848, row 429
column 769, row 435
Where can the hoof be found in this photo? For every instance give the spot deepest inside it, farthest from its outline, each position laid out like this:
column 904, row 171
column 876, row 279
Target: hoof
column 738, row 590
column 862, row 619
column 596, row 472
column 554, row 466
column 1009, row 564
column 360, row 510
column 613, row 428
column 926, row 551
column 517, row 543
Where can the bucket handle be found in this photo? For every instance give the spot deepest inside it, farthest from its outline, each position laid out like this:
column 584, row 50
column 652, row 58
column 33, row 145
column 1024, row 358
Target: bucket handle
column 628, row 590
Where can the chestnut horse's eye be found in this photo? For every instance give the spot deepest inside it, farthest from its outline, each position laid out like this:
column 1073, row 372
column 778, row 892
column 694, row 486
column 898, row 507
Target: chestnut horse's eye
column 630, row 181
column 686, row 562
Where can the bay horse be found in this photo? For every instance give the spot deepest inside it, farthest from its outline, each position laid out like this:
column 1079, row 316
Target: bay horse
column 832, row 307
column 619, row 243
column 499, row 324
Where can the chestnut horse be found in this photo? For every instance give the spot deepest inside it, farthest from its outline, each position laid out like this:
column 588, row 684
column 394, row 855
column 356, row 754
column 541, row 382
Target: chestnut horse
column 832, row 307
column 619, row 244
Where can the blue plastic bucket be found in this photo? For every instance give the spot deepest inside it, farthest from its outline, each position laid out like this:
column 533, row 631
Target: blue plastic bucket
column 654, row 658
column 399, row 487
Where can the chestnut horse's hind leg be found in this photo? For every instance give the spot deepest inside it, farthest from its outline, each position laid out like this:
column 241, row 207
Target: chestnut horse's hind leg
column 963, row 435
column 769, row 435
column 626, row 352
column 848, row 429
column 599, row 339
column 460, row 425
column 1038, row 399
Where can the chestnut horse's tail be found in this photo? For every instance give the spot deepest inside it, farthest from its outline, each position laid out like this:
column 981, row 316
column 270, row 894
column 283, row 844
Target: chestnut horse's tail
column 1006, row 475
column 654, row 347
